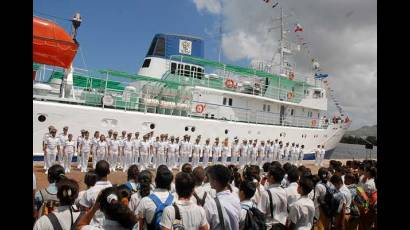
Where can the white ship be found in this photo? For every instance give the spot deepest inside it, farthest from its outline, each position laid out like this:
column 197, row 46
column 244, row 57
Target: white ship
column 177, row 91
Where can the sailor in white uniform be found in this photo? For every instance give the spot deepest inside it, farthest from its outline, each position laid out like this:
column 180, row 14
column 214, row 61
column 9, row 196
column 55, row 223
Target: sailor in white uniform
column 196, row 152
column 94, row 142
column 114, row 151
column 276, row 148
column 52, row 147
column 108, row 140
column 293, row 154
column 154, row 156
column 216, row 151
column 286, row 150
column 268, row 151
column 254, row 152
column 46, row 135
column 225, row 150
column 79, row 139
column 178, row 153
column 161, row 150
column 281, row 153
column 301, row 154
column 322, row 155
column 249, row 152
column 102, row 149
column 243, row 153
column 85, row 148
column 128, row 150
column 69, row 150
column 235, row 151
column 172, row 152
column 144, row 152
column 186, row 150
column 261, row 153
column 63, row 137
column 206, row 153
column 121, row 156
column 136, row 149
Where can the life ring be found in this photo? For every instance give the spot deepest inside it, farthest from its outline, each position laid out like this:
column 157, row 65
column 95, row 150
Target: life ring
column 199, row 108
column 291, row 75
column 313, row 123
column 229, row 83
column 290, row 95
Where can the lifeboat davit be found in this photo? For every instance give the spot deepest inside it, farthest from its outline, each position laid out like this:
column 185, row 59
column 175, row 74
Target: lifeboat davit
column 52, row 45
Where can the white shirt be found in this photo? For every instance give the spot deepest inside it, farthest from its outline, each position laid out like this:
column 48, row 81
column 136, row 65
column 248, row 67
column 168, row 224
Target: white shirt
column 192, row 215
column 206, row 150
column 162, row 146
column 52, row 143
column 94, row 143
column 245, row 204
column 292, row 193
column 128, row 145
column 257, row 198
column 146, row 207
column 243, row 149
column 173, row 148
column 196, row 150
column 235, row 150
column 216, row 151
column 226, row 150
column 136, row 143
column 101, row 147
column 186, row 147
column 144, row 149
column 114, row 145
column 370, row 186
column 323, row 151
column 135, row 201
column 107, row 225
column 347, row 197
column 279, row 202
column 207, row 188
column 277, row 146
column 301, row 213
column 86, row 145
column 63, row 138
column 261, row 150
column 69, row 146
column 64, row 218
column 231, row 211
column 89, row 198
column 200, row 192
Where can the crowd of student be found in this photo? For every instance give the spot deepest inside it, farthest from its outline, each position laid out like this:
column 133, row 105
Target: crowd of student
column 126, row 150
column 216, row 197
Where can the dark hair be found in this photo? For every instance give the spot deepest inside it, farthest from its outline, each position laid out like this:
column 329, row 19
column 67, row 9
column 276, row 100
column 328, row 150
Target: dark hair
column 132, row 173
column 55, row 173
column 315, row 179
column 372, row 171
column 277, row 173
column 184, row 184
column 323, row 174
column 361, row 166
column 302, row 169
column 293, row 174
column 266, row 166
column 164, row 178
column 350, row 179
column 67, row 191
column 220, row 173
column 306, row 184
column 102, row 169
column 144, row 180
column 187, row 167
column 276, row 163
column 90, row 178
column 199, row 175
column 124, row 192
column 116, row 210
column 335, row 179
column 251, row 172
column 248, row 188
column 287, row 166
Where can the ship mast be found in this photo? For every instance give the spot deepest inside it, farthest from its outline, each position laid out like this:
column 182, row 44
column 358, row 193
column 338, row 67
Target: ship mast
column 282, row 57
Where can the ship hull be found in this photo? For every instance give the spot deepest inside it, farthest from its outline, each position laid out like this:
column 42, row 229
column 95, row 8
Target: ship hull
column 78, row 117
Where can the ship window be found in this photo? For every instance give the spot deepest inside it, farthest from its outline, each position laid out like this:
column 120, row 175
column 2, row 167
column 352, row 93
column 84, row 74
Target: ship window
column 41, row 118
column 173, row 67
column 264, row 107
column 187, row 70
column 230, row 102
column 200, row 73
column 151, row 48
column 224, row 101
column 291, row 112
column 193, row 72
column 146, row 63
column 179, row 70
column 160, row 47
column 268, row 108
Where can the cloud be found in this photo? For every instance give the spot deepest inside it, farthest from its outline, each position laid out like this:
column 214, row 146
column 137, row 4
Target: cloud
column 345, row 43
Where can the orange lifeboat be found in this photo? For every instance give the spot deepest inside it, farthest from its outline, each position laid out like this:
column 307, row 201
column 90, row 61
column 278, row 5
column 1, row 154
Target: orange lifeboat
column 52, row 45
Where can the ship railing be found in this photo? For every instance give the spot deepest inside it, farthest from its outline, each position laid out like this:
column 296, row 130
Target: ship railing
column 248, row 85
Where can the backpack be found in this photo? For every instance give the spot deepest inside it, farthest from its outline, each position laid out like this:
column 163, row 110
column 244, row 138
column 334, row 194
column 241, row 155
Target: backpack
column 49, row 202
column 330, row 204
column 132, row 190
column 254, row 219
column 56, row 224
column 220, row 215
column 177, row 224
column 199, row 201
column 154, row 225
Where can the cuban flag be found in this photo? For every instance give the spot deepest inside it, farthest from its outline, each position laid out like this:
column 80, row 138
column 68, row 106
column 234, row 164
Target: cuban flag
column 298, row 27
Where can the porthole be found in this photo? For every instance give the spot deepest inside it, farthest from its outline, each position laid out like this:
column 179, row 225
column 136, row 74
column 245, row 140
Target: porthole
column 226, row 131
column 152, row 126
column 41, row 118
column 186, row 128
column 192, row 129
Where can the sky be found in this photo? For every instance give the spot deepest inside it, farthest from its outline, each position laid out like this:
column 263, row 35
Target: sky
column 342, row 36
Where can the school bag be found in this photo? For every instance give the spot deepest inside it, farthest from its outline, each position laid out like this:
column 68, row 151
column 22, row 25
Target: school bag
column 330, row 203
column 220, row 215
column 199, row 201
column 177, row 224
column 49, row 202
column 56, row 224
column 154, row 225
column 254, row 219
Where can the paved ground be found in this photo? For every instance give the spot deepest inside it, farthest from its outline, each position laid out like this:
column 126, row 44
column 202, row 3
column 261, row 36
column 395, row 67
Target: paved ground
column 121, row 177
